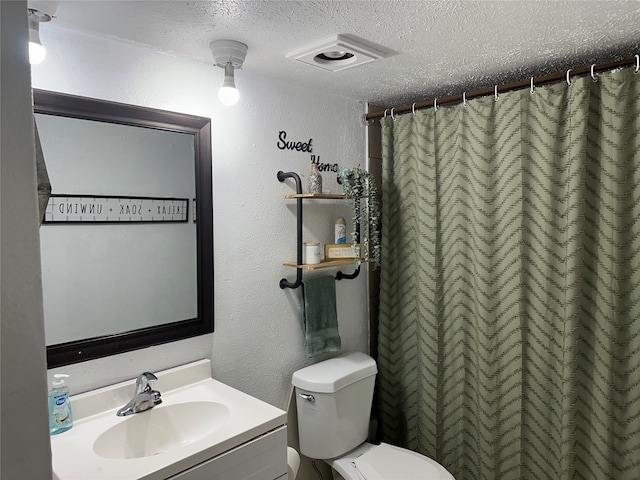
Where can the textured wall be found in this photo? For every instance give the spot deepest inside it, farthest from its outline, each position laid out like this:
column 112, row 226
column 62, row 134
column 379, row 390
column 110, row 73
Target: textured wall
column 258, row 341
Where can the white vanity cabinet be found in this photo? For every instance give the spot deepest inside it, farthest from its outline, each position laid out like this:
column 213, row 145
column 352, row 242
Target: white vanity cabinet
column 264, row 458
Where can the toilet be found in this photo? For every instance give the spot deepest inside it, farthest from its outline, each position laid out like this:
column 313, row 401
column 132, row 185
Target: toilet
column 333, row 401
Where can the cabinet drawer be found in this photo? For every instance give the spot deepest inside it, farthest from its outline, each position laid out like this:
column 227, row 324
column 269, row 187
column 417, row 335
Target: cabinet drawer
column 264, row 458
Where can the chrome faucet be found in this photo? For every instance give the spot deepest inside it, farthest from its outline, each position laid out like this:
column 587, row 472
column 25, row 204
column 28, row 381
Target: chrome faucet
column 144, row 398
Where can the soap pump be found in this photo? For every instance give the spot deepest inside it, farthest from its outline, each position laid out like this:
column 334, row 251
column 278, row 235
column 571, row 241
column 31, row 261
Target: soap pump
column 60, row 416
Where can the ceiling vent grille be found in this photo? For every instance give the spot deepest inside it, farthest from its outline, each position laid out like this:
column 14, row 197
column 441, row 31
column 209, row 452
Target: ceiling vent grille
column 337, row 53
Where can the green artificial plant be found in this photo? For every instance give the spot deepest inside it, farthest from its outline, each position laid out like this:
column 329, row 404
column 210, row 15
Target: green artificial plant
column 359, row 187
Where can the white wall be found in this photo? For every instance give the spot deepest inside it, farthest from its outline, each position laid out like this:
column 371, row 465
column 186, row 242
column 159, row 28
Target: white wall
column 258, row 341
column 25, row 450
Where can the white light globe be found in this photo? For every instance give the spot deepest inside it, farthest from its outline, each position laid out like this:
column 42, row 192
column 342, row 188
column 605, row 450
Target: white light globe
column 36, row 53
column 228, row 95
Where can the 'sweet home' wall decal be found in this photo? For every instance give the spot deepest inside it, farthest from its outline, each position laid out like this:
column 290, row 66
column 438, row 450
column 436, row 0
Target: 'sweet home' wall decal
column 306, row 146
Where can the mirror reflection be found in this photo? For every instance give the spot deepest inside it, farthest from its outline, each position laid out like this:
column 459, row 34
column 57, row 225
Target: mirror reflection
column 147, row 272
column 125, row 253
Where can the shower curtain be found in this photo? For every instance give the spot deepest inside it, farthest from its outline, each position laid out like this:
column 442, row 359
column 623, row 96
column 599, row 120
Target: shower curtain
column 509, row 336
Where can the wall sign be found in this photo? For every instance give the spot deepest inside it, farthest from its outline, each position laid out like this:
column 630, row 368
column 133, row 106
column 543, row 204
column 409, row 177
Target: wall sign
column 306, row 146
column 284, row 144
column 111, row 209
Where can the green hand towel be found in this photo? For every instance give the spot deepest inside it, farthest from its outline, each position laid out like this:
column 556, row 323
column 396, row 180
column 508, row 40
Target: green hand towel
column 320, row 315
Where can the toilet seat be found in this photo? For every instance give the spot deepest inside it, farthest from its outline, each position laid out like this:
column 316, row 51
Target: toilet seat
column 386, row 462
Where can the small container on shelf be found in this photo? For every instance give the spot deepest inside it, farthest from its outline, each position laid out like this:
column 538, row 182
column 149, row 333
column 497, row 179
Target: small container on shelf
column 311, row 253
column 314, row 179
column 341, row 230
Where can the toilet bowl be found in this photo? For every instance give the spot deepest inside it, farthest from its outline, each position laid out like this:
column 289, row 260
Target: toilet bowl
column 386, row 462
column 333, row 402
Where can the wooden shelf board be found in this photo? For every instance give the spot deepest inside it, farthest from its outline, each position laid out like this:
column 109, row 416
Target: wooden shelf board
column 334, row 196
column 333, row 263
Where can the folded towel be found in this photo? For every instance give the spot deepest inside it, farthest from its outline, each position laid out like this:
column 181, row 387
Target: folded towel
column 320, row 315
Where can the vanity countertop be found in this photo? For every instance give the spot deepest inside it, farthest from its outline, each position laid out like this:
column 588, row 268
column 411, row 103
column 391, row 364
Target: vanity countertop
column 77, row 453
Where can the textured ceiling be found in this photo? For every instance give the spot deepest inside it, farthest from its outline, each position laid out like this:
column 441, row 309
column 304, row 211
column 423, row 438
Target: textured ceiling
column 435, row 48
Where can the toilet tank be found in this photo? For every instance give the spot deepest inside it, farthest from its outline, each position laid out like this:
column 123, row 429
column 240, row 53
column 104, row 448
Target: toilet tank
column 333, row 401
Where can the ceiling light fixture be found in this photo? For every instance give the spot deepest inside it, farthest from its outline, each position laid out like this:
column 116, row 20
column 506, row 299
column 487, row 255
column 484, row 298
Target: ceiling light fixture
column 39, row 12
column 228, row 54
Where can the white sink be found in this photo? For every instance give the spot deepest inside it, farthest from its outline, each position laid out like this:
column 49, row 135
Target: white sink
column 161, row 429
column 199, row 419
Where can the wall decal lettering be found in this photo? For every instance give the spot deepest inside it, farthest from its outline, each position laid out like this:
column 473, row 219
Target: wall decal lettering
column 324, row 167
column 283, row 144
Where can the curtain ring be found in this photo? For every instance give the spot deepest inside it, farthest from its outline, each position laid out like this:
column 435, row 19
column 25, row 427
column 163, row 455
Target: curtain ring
column 532, row 89
column 568, row 78
column 637, row 64
column 435, row 104
column 385, row 112
column 495, row 93
column 464, row 99
column 413, row 108
column 392, row 117
column 593, row 77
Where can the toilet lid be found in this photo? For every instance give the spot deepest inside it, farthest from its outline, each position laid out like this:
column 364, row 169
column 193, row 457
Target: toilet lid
column 386, row 462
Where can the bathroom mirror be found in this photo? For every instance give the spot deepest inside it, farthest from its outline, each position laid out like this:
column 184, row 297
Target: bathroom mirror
column 127, row 236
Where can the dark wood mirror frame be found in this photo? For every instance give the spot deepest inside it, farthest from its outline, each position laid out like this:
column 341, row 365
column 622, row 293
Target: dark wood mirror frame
column 90, row 109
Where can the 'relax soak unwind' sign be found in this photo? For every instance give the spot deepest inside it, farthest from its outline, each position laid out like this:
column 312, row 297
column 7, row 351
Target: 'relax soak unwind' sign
column 111, row 209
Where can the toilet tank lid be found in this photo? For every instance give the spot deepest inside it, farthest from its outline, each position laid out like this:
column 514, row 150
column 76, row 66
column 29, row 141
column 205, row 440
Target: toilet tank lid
column 336, row 373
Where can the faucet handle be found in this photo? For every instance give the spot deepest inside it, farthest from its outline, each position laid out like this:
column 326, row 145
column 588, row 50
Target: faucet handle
column 155, row 397
column 143, row 382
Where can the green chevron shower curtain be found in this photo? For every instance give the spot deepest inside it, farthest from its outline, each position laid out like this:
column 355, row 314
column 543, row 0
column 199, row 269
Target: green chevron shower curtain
column 509, row 342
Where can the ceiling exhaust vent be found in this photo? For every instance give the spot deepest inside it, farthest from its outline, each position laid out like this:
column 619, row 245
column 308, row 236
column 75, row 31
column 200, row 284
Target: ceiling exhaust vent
column 337, row 53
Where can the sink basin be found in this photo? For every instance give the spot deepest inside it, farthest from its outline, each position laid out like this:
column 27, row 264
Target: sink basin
column 200, row 419
column 161, row 429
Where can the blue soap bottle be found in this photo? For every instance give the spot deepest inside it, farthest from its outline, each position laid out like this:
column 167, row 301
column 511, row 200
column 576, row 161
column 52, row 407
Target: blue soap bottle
column 60, row 416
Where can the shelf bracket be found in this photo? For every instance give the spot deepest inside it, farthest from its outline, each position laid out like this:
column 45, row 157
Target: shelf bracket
column 341, row 276
column 284, row 283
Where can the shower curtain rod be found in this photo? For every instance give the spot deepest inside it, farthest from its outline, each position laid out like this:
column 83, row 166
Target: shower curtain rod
column 537, row 81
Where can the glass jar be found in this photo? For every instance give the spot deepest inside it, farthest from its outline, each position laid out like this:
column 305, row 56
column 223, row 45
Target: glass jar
column 311, row 253
column 314, row 179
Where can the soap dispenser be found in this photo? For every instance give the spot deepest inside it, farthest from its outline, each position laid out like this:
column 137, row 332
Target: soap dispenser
column 60, row 416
